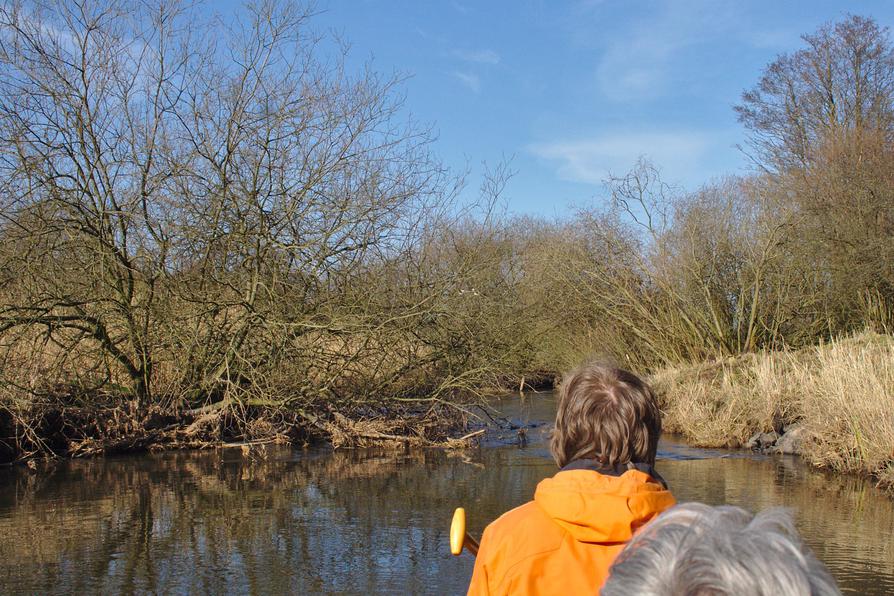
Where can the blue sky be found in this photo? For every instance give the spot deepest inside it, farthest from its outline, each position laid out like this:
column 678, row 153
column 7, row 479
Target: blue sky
column 572, row 90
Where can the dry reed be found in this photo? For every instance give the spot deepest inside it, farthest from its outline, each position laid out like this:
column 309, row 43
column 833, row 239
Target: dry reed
column 841, row 393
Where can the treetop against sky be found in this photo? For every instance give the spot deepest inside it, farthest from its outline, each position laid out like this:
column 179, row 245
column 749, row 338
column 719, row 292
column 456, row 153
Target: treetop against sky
column 574, row 90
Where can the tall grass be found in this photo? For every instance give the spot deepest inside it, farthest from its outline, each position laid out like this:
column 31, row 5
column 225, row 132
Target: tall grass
column 841, row 393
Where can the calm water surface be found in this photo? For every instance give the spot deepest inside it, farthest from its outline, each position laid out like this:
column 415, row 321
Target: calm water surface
column 286, row 521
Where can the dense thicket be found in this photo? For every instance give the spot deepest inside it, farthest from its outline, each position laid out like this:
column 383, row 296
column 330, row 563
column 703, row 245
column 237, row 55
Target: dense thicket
column 199, row 216
column 211, row 222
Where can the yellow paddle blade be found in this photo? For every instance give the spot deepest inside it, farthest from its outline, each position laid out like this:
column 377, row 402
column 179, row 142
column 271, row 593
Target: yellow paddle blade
column 458, row 531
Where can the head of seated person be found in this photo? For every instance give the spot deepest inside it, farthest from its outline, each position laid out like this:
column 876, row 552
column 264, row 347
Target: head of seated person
column 699, row 550
column 607, row 417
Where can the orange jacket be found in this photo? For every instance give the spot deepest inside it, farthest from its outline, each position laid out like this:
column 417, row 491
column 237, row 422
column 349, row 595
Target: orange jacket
column 564, row 541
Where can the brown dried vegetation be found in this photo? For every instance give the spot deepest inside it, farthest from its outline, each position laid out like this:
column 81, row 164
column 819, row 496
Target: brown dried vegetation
column 211, row 233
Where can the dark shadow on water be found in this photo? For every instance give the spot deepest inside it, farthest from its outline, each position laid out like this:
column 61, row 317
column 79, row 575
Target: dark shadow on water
column 284, row 521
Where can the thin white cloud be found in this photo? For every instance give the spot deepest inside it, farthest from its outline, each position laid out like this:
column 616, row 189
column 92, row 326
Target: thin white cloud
column 38, row 26
column 637, row 62
column 478, row 56
column 70, row 37
column 469, row 79
column 592, row 160
column 643, row 59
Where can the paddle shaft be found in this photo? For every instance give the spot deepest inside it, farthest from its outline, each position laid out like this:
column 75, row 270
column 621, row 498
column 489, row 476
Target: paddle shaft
column 471, row 544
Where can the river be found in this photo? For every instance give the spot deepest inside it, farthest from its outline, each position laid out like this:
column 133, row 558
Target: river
column 279, row 520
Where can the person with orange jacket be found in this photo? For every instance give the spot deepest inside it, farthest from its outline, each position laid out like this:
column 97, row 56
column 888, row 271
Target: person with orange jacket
column 564, row 541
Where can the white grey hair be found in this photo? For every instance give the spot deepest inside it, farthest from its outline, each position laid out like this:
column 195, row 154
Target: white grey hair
column 699, row 550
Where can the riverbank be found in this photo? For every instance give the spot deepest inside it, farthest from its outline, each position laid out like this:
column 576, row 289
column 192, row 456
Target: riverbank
column 59, row 430
column 833, row 404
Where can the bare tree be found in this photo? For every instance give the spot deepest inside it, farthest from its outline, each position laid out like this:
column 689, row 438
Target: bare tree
column 843, row 81
column 180, row 196
column 821, row 122
column 85, row 92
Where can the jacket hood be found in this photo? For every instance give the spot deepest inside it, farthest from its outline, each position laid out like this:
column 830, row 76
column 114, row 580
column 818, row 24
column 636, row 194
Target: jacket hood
column 595, row 507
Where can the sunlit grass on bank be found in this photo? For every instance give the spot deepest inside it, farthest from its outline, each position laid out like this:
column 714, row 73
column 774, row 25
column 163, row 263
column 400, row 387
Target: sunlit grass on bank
column 841, row 394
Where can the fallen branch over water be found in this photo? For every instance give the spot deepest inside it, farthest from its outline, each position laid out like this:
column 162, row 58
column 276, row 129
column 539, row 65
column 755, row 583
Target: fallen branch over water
column 471, row 435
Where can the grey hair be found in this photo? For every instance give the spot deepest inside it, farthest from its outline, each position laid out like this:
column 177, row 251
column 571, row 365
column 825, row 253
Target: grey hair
column 699, row 550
